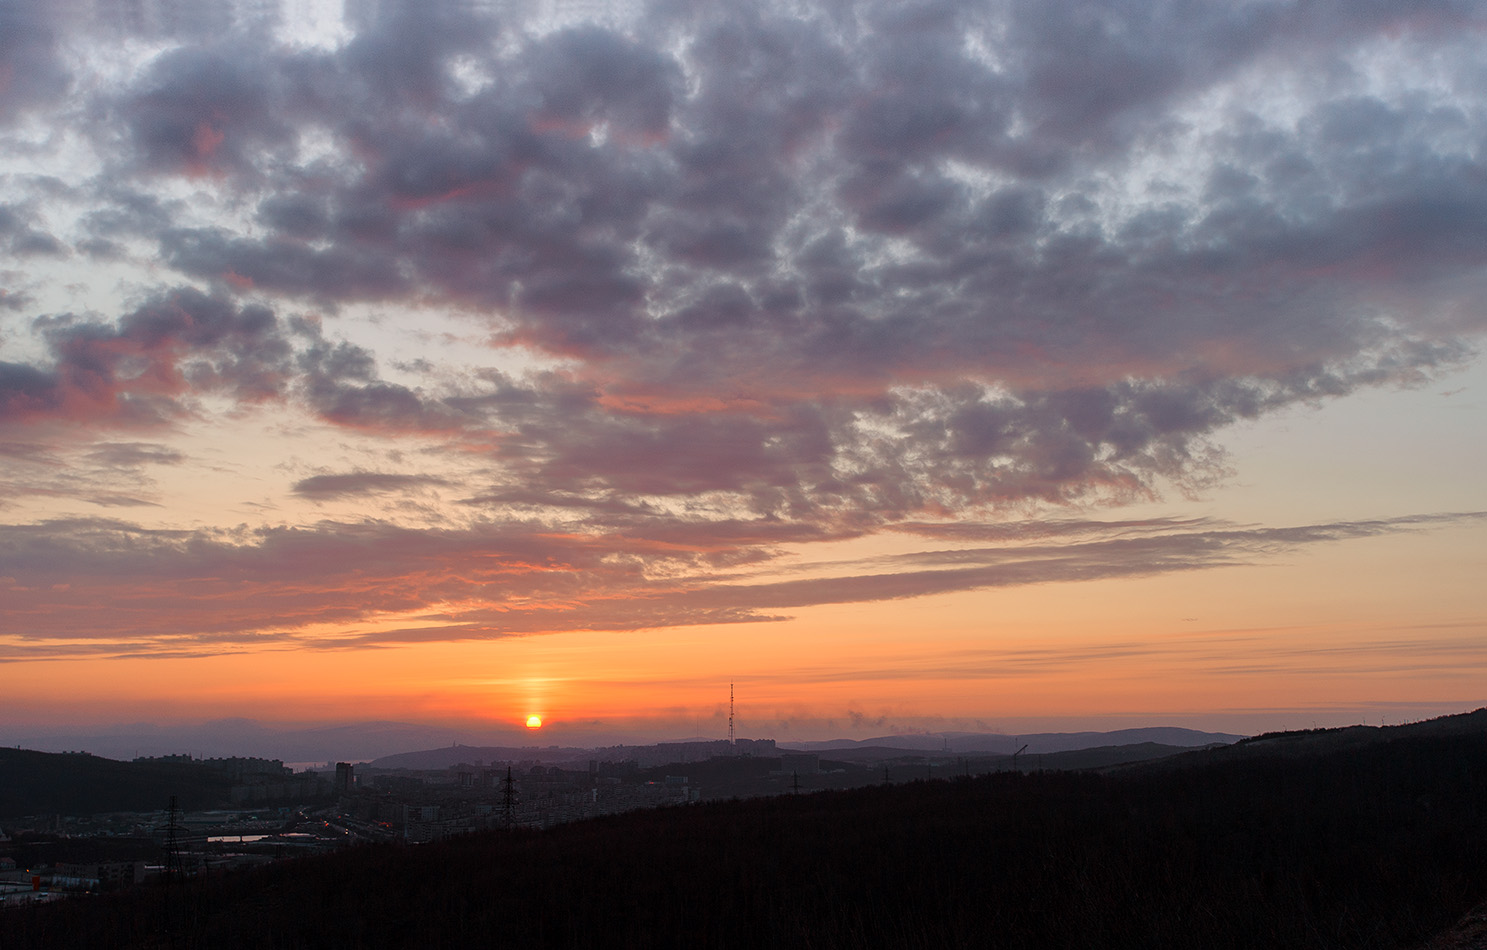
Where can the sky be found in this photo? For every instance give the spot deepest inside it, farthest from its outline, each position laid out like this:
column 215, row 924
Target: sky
column 993, row 366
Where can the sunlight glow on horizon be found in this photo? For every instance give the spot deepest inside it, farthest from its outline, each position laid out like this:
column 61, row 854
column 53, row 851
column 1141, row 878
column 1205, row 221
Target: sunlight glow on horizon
column 502, row 364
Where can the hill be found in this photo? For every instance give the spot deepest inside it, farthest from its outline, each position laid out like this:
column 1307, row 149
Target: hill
column 76, row 783
column 244, row 737
column 1037, row 743
column 881, row 749
column 1373, row 845
column 663, row 753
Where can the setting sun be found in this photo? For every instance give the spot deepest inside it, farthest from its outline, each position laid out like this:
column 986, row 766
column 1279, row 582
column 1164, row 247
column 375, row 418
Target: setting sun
column 1148, row 390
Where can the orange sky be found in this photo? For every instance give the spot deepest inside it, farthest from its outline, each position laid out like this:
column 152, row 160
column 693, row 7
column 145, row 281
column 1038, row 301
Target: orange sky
column 1022, row 366
column 1233, row 649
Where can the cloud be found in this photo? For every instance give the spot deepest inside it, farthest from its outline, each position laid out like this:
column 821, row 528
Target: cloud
column 203, row 111
column 361, row 483
column 22, row 239
column 925, row 573
column 101, row 474
column 147, row 370
column 133, row 374
column 132, row 455
column 757, row 275
column 31, row 70
column 84, row 580
column 603, row 182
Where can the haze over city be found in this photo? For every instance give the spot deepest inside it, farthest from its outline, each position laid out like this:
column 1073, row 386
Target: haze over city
column 539, row 369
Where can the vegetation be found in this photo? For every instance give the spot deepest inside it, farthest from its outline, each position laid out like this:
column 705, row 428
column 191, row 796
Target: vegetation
column 1372, row 845
column 76, row 783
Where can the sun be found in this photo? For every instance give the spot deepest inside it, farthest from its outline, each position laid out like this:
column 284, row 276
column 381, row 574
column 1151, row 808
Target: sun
column 534, row 722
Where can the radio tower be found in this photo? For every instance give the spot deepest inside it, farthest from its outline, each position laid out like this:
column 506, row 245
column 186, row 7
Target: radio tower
column 731, row 740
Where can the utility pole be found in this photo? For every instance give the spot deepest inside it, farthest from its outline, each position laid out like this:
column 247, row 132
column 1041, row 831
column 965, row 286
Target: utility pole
column 732, row 740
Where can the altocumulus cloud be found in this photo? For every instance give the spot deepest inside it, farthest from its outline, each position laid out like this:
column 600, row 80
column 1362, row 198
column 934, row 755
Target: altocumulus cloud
column 782, row 273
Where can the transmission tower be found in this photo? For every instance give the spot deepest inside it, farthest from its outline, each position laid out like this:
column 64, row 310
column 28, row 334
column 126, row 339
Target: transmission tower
column 731, row 739
column 172, row 844
column 1016, row 754
column 508, row 799
column 172, row 870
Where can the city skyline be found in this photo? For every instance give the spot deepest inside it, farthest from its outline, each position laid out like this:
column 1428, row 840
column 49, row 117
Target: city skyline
column 1030, row 366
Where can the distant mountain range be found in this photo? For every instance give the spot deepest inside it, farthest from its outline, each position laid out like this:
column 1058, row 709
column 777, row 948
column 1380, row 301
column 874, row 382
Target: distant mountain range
column 248, row 737
column 363, row 741
column 1326, row 839
column 34, row 782
column 876, row 749
column 1038, row 743
column 663, row 753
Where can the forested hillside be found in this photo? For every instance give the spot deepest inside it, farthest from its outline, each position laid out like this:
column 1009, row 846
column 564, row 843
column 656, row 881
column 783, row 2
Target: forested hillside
column 76, row 783
column 1375, row 845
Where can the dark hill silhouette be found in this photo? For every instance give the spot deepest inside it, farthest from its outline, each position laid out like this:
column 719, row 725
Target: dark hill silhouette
column 1037, row 743
column 1313, row 742
column 661, row 753
column 880, row 749
column 76, row 783
column 1071, row 759
column 1363, row 845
